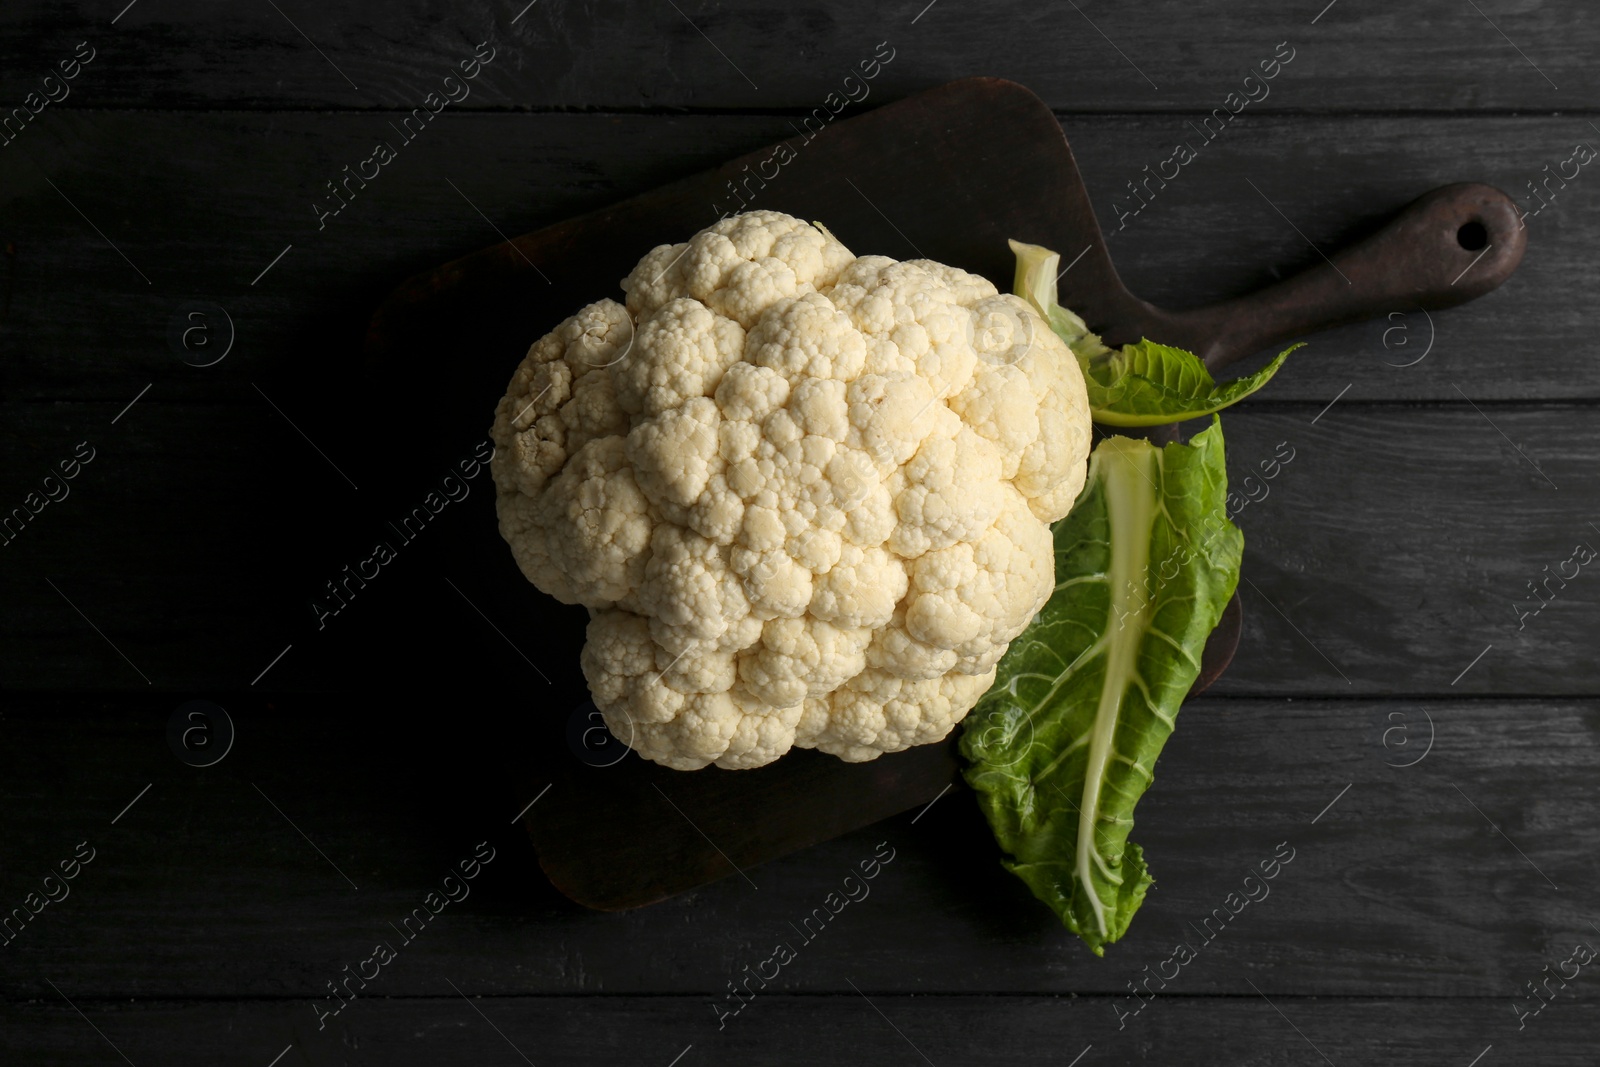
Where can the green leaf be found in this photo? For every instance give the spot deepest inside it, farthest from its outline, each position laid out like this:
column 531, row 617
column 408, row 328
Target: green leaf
column 1065, row 742
column 1146, row 384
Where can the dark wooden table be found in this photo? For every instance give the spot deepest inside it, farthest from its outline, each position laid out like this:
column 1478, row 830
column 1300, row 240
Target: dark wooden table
column 1398, row 713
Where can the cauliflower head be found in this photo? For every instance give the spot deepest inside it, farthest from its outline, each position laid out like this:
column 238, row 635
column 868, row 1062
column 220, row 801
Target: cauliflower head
column 805, row 495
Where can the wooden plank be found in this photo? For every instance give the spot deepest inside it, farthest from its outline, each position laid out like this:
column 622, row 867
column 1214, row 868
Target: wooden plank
column 873, row 1027
column 207, row 208
column 1432, row 54
column 1396, row 885
column 203, row 204
column 1407, row 543
column 1397, row 545
column 1399, row 541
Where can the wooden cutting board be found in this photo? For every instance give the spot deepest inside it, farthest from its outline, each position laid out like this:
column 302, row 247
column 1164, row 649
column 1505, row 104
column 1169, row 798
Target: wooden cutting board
column 949, row 175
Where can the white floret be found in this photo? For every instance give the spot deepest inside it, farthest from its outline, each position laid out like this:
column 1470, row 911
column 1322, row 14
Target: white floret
column 806, row 496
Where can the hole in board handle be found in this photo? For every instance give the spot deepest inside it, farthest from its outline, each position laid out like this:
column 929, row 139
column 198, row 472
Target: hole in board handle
column 1472, row 236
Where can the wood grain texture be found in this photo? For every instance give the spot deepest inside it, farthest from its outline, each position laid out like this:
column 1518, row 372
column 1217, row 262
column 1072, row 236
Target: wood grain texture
column 1397, row 543
column 771, row 55
column 204, row 203
column 1397, row 546
column 1398, row 885
column 874, row 1027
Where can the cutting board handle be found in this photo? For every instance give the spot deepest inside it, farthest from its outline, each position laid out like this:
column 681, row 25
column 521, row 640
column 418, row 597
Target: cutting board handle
column 1444, row 248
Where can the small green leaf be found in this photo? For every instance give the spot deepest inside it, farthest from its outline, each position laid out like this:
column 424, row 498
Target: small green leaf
column 1146, row 384
column 1149, row 384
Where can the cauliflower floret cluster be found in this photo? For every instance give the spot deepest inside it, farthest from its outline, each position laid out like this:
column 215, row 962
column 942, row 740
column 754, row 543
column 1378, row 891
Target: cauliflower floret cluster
column 804, row 495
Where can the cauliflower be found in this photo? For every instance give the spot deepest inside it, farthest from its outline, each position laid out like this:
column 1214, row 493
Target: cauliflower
column 804, row 495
